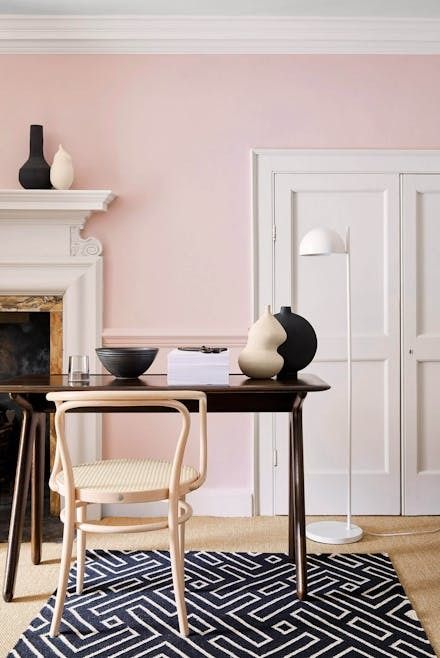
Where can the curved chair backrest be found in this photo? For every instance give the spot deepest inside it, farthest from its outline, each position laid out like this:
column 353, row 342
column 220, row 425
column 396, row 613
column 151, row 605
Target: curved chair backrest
column 66, row 401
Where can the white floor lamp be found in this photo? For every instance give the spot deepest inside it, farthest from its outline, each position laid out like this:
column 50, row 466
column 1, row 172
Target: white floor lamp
column 324, row 242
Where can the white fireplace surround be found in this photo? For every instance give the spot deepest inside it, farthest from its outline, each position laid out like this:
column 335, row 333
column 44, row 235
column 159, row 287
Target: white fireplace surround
column 42, row 252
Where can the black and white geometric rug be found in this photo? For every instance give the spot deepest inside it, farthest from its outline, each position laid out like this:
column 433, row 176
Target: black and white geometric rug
column 239, row 605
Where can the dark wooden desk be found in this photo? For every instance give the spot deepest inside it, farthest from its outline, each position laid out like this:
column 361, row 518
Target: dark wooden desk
column 240, row 395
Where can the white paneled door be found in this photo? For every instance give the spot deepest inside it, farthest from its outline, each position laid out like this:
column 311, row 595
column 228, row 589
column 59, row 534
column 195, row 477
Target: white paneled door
column 421, row 342
column 315, row 287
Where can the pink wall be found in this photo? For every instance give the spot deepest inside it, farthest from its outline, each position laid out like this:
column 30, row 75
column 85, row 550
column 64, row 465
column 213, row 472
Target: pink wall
column 171, row 136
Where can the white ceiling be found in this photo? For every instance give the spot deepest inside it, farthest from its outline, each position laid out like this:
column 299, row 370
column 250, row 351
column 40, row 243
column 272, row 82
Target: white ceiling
column 324, row 8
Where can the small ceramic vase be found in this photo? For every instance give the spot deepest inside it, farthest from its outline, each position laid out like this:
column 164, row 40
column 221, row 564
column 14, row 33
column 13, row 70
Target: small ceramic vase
column 35, row 173
column 260, row 359
column 300, row 346
column 61, row 171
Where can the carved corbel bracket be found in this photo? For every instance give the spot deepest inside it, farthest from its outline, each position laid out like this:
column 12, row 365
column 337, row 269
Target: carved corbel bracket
column 80, row 246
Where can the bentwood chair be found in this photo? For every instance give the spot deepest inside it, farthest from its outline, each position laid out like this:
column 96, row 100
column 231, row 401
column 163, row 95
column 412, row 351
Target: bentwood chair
column 125, row 481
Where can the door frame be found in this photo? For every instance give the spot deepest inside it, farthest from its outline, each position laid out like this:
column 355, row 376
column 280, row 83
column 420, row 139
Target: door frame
column 266, row 165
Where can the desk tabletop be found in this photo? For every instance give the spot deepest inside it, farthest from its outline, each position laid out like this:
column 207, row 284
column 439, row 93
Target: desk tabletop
column 237, row 383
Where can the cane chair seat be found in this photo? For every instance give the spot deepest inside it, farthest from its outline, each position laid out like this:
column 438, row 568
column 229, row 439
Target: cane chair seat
column 126, row 480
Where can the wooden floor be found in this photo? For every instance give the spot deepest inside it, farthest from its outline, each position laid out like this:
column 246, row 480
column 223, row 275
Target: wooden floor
column 415, row 558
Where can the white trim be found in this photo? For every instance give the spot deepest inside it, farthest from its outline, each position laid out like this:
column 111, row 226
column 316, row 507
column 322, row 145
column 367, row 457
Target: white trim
column 204, row 501
column 267, row 165
column 217, row 34
column 420, row 345
column 55, row 200
column 42, row 253
column 346, row 161
column 38, row 223
column 141, row 336
column 255, row 472
column 79, row 280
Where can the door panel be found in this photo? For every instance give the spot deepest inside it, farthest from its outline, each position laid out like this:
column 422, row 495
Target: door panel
column 315, row 288
column 428, row 443
column 421, row 343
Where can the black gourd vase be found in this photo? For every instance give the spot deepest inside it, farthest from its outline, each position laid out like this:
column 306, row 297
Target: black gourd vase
column 35, row 173
column 301, row 344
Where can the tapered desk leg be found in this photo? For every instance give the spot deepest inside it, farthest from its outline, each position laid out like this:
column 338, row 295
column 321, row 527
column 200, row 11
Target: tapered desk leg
column 37, row 492
column 19, row 499
column 299, row 521
column 291, row 495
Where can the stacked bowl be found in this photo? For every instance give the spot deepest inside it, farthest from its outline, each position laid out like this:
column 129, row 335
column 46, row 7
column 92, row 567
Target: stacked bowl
column 126, row 362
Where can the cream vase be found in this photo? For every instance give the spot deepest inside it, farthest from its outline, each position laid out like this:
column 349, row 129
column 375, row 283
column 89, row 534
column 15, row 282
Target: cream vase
column 260, row 359
column 61, row 171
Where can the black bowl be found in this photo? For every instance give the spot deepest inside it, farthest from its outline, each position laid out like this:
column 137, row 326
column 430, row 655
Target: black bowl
column 126, row 362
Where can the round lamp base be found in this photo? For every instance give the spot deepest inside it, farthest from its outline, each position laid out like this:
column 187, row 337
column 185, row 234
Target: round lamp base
column 333, row 532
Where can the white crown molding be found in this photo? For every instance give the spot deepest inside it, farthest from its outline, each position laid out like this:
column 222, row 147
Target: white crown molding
column 217, row 34
column 136, row 337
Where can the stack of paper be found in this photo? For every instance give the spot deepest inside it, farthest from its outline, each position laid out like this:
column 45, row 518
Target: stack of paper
column 188, row 368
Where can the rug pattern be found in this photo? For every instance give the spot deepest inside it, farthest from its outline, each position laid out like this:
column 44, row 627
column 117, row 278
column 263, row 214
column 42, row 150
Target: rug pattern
column 240, row 605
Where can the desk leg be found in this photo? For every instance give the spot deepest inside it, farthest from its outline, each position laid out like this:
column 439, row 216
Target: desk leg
column 19, row 499
column 37, row 492
column 291, row 494
column 299, row 521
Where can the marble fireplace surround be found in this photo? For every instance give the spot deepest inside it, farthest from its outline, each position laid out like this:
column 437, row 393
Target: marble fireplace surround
column 42, row 252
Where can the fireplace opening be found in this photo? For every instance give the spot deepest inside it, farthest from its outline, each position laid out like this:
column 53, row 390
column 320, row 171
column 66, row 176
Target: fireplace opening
column 26, row 343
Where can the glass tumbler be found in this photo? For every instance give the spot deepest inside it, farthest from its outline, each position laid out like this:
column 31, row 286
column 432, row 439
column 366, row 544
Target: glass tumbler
column 78, row 368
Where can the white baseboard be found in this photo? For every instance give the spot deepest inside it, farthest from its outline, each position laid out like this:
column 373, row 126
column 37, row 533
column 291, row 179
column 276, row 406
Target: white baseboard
column 94, row 511
column 222, row 502
column 205, row 502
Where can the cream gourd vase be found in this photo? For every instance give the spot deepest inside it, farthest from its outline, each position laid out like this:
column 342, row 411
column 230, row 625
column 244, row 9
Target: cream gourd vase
column 260, row 359
column 61, row 171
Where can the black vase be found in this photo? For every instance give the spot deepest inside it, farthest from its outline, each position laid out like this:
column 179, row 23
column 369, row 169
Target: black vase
column 35, row 173
column 301, row 344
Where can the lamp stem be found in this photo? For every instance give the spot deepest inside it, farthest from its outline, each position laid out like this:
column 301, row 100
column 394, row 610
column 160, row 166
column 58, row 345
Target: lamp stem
column 349, row 380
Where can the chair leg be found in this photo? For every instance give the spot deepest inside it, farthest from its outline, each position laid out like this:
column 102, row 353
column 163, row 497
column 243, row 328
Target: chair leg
column 81, row 517
column 182, row 541
column 177, row 568
column 66, row 556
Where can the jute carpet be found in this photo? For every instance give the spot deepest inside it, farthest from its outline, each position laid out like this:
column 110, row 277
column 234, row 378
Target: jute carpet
column 415, row 558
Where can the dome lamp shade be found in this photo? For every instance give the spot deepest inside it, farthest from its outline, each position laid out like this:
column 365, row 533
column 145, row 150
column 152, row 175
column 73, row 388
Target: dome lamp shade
column 322, row 242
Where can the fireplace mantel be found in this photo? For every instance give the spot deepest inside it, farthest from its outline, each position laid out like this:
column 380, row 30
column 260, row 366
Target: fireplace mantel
column 41, row 223
column 42, row 253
